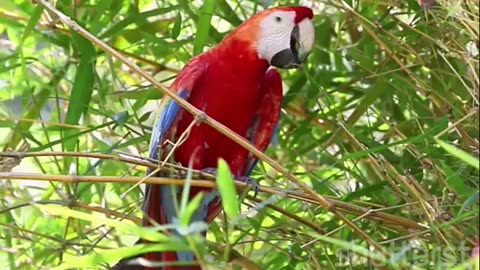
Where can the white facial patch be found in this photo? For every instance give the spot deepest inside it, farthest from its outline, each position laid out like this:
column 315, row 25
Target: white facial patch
column 275, row 31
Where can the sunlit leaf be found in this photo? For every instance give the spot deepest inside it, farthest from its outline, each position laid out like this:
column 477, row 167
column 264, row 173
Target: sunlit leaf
column 226, row 188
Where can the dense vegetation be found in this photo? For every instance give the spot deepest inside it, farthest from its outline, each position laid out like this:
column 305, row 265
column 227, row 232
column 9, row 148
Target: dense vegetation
column 382, row 122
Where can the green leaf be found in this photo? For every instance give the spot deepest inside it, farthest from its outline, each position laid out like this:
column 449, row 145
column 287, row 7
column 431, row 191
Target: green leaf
column 455, row 182
column 111, row 256
column 460, row 154
column 37, row 12
column 187, row 213
column 127, row 227
column 82, row 87
column 74, row 134
column 177, row 26
column 203, row 26
column 226, row 188
column 228, row 12
column 474, row 198
column 354, row 248
column 472, row 263
column 371, row 95
column 441, row 125
column 33, row 110
column 138, row 19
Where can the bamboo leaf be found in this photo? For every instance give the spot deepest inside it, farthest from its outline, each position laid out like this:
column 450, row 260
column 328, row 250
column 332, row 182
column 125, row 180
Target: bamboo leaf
column 226, row 188
column 441, row 125
column 37, row 12
column 460, row 154
column 127, row 227
column 177, row 26
column 82, row 87
column 204, row 25
column 111, row 256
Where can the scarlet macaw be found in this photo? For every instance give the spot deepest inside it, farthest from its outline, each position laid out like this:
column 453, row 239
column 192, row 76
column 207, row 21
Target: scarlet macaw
column 234, row 84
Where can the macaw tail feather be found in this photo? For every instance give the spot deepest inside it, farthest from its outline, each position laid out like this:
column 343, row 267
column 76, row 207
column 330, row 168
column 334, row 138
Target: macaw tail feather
column 159, row 209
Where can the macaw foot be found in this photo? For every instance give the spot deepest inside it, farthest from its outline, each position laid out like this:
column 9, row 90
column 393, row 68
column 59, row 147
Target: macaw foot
column 249, row 181
column 244, row 179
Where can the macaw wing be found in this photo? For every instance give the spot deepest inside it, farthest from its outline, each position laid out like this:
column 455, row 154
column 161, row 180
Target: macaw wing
column 169, row 110
column 166, row 115
column 158, row 204
column 164, row 120
column 265, row 124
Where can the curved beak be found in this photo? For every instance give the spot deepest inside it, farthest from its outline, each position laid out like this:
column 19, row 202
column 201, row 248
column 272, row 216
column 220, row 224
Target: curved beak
column 301, row 43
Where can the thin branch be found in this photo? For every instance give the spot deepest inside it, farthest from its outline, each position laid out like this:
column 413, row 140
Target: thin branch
column 293, row 216
column 374, row 215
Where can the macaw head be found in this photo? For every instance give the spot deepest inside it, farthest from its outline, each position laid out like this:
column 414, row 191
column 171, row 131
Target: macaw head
column 283, row 36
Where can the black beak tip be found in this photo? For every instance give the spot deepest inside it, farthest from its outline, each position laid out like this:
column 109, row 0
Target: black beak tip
column 285, row 59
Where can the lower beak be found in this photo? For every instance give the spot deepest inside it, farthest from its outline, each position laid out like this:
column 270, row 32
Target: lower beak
column 285, row 59
column 292, row 57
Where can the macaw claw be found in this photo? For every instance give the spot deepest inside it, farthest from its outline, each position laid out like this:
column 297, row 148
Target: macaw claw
column 210, row 170
column 249, row 181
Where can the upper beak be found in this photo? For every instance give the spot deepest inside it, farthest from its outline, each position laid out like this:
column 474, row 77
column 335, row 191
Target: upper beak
column 301, row 43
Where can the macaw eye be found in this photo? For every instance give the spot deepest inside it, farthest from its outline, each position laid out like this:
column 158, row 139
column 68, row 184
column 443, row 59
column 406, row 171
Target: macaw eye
column 278, row 19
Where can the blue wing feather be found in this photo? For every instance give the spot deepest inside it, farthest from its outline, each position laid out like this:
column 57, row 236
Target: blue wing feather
column 164, row 123
column 161, row 127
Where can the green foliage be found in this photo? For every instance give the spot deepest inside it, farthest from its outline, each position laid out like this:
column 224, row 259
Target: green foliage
column 460, row 154
column 383, row 119
column 226, row 188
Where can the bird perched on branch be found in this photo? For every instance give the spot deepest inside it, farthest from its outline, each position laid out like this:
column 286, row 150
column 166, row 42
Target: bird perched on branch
column 235, row 84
